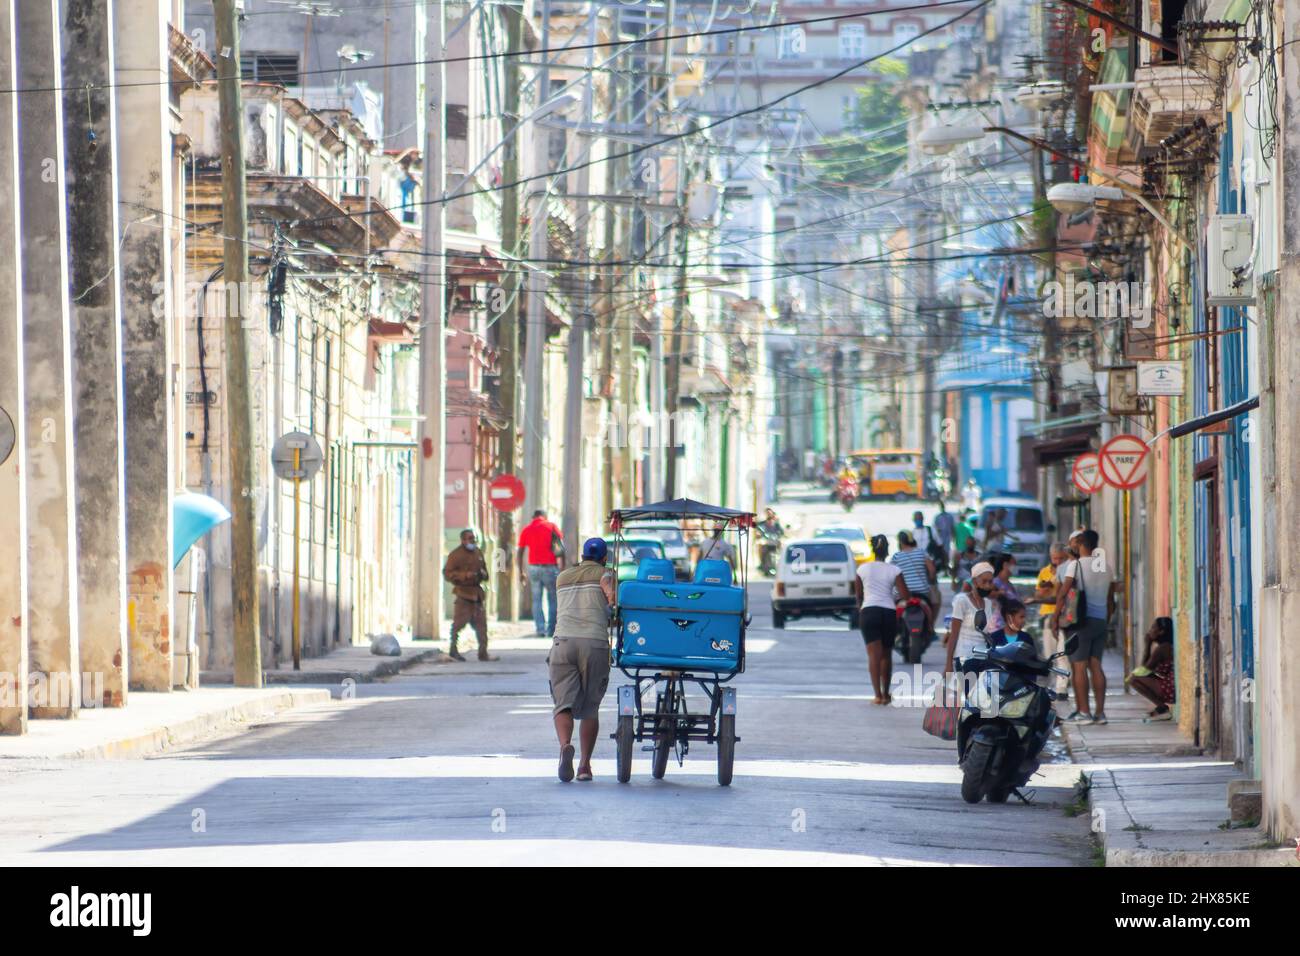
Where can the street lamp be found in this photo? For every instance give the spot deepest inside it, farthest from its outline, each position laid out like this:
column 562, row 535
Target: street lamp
column 943, row 139
column 1076, row 197
column 1040, row 95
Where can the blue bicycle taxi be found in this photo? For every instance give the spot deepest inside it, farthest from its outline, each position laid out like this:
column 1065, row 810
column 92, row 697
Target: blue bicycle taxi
column 671, row 633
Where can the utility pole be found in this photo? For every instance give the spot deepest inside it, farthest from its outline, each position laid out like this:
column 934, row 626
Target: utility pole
column 929, row 322
column 674, row 385
column 234, row 225
column 668, row 409
column 573, row 400
column 535, row 328
column 623, row 111
column 433, row 385
column 508, row 330
column 609, row 314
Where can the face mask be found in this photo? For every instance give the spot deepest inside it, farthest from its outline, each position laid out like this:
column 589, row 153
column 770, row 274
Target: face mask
column 984, row 592
column 470, row 546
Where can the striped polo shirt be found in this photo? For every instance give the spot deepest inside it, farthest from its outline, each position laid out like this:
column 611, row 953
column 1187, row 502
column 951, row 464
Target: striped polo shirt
column 581, row 609
column 912, row 564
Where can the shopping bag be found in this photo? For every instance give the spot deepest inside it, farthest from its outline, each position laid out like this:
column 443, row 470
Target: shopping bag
column 941, row 721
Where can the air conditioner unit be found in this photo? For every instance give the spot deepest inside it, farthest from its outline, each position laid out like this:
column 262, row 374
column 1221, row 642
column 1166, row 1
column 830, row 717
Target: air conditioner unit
column 1230, row 244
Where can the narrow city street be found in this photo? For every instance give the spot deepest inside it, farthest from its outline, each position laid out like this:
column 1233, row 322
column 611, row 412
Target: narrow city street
column 455, row 763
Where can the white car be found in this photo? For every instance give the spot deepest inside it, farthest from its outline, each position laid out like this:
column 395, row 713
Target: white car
column 667, row 531
column 815, row 578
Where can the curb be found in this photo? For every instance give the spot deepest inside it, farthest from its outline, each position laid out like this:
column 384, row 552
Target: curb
column 190, row 729
column 1139, row 856
column 1281, row 856
column 387, row 667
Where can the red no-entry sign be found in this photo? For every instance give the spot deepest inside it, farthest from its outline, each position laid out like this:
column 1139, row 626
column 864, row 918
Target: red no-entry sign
column 1087, row 473
column 1124, row 461
column 506, row 492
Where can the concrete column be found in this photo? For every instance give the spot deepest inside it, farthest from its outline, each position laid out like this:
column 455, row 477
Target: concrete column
column 1278, row 661
column 144, row 157
column 90, row 143
column 51, row 616
column 13, row 518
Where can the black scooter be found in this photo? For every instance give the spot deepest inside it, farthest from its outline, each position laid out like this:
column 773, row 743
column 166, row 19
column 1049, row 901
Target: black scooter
column 1006, row 720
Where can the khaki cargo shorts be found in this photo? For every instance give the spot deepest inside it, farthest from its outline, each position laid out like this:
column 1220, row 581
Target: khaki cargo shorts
column 579, row 671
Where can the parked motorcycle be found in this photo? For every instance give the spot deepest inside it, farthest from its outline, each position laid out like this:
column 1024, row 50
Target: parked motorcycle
column 1005, row 721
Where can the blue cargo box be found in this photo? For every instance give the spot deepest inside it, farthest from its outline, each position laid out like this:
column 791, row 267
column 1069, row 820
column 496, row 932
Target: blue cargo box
column 682, row 626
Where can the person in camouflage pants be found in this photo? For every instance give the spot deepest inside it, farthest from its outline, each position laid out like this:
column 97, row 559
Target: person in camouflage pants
column 466, row 570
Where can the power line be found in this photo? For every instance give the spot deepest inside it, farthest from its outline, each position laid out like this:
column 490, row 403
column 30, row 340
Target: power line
column 697, row 129
column 543, row 51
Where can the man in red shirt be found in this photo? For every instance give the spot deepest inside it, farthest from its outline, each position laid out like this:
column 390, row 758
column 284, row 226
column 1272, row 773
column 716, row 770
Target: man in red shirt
column 539, row 566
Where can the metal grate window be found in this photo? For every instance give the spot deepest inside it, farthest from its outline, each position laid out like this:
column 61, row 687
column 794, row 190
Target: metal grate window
column 279, row 68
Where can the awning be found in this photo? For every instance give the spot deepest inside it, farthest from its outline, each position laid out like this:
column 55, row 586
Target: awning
column 1048, row 451
column 384, row 331
column 1070, row 421
column 680, row 508
column 1213, row 418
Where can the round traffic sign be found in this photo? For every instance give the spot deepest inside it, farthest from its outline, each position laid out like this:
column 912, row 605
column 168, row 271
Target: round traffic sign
column 1086, row 473
column 1124, row 461
column 308, row 461
column 8, row 436
column 506, row 492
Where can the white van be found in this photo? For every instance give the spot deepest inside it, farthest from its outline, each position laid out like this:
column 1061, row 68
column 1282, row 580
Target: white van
column 1026, row 531
column 815, row 578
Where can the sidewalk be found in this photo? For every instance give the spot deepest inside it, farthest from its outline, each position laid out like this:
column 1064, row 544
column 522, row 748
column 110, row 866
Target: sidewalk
column 1155, row 800
column 151, row 723
column 356, row 663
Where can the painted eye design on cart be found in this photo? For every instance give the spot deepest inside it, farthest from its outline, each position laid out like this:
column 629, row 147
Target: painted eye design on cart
column 682, row 623
column 671, row 594
column 695, row 596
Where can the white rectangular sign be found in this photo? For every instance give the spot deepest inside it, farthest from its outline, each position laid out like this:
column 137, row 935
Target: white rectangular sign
column 1160, row 378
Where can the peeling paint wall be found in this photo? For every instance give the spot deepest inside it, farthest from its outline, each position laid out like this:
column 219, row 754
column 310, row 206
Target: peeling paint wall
column 145, row 158
column 90, row 135
column 13, row 502
column 51, row 614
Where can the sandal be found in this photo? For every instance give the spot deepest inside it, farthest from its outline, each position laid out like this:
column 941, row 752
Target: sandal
column 584, row 775
column 566, row 763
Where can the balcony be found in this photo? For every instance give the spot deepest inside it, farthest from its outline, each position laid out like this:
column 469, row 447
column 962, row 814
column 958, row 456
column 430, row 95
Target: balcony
column 1168, row 97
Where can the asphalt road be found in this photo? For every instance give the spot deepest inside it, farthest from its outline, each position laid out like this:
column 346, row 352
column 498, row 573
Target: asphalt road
column 455, row 763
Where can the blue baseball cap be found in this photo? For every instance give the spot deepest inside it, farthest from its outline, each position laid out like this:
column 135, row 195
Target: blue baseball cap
column 594, row 549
